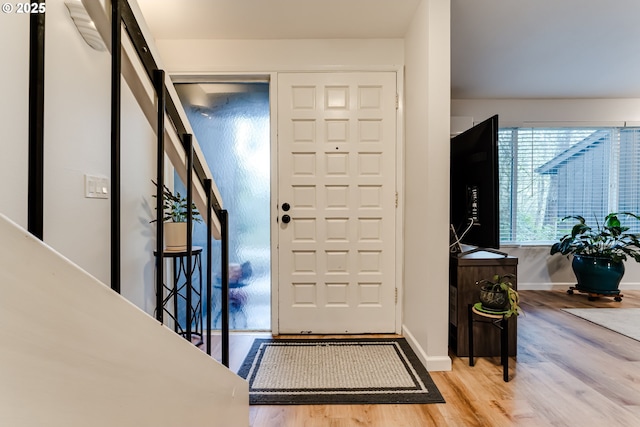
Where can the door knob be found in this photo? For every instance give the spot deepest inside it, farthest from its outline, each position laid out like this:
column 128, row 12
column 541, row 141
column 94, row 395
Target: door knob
column 286, row 219
column 286, row 207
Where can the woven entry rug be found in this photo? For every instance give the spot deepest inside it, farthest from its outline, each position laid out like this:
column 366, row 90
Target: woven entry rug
column 625, row 321
column 336, row 371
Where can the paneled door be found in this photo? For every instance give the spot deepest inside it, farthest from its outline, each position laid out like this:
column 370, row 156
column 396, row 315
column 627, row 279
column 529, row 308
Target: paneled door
column 337, row 202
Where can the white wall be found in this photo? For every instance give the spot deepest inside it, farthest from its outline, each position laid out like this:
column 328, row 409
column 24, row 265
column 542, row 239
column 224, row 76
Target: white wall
column 427, row 47
column 427, row 112
column 233, row 56
column 78, row 88
column 14, row 113
column 138, row 167
column 73, row 352
column 536, row 268
column 77, row 142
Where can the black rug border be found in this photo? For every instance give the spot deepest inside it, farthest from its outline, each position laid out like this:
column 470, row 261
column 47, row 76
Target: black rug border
column 432, row 395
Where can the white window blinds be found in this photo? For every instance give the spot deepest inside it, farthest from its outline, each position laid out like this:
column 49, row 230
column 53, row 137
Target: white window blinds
column 549, row 173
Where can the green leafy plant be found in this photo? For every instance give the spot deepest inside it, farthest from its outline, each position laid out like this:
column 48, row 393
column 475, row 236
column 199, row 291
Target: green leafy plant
column 175, row 207
column 503, row 284
column 610, row 240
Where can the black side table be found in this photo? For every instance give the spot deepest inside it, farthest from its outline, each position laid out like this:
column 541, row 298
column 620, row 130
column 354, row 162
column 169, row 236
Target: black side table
column 178, row 290
column 500, row 322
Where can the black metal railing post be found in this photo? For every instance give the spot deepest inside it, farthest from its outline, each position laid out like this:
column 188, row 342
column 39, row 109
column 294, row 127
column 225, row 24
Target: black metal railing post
column 188, row 144
column 35, row 193
column 208, row 186
column 158, row 82
column 123, row 16
column 224, row 266
column 116, row 70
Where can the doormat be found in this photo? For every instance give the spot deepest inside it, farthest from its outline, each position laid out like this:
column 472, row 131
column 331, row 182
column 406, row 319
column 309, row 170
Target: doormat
column 625, row 321
column 336, row 371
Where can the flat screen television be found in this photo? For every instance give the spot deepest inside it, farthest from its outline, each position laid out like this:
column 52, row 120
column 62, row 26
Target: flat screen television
column 474, row 204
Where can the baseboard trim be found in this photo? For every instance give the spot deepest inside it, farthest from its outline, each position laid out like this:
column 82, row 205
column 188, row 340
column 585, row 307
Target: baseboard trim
column 432, row 363
column 544, row 286
column 632, row 286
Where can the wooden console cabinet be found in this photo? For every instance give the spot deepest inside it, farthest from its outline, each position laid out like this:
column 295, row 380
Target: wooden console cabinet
column 463, row 274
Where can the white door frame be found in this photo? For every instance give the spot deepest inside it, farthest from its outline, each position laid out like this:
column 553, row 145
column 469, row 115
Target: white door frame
column 271, row 77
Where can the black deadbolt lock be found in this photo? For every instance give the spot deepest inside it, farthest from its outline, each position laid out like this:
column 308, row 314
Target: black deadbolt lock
column 286, row 207
column 286, row 219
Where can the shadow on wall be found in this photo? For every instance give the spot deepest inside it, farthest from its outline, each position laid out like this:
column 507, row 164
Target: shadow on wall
column 539, row 270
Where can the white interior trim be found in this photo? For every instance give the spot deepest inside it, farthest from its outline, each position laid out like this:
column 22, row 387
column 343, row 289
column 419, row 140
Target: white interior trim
column 275, row 258
column 433, row 363
column 563, row 286
column 400, row 177
column 572, row 124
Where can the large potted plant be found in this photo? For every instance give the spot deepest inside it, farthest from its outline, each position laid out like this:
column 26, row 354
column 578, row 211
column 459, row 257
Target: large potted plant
column 599, row 253
column 175, row 219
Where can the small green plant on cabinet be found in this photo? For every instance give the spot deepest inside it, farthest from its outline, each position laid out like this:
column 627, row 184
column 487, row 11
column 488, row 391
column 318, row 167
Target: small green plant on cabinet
column 175, row 207
column 503, row 284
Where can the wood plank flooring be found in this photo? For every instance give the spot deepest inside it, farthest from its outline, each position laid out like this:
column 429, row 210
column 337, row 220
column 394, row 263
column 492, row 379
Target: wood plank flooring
column 569, row 372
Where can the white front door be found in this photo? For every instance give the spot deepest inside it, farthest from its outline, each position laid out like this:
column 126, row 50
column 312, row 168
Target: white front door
column 337, row 174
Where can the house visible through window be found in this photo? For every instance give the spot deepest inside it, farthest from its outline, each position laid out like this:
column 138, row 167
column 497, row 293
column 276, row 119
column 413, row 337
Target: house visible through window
column 547, row 174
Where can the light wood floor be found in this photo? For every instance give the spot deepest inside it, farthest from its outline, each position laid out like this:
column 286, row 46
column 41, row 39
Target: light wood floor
column 569, row 372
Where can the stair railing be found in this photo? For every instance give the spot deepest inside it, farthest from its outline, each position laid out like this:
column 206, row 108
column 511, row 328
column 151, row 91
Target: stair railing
column 166, row 112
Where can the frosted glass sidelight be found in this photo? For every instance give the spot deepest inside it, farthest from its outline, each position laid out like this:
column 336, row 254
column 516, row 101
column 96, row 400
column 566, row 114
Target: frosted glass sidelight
column 231, row 124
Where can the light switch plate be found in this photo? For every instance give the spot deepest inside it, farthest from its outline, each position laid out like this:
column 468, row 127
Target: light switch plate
column 96, row 187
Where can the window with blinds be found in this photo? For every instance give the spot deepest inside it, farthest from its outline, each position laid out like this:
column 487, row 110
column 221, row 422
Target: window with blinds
column 547, row 174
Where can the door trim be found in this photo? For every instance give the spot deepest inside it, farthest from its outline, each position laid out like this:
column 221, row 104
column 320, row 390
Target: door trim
column 272, row 78
column 275, row 259
column 400, row 198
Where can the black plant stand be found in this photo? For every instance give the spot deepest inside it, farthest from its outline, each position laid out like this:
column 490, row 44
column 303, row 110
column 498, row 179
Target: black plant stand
column 178, row 290
column 499, row 321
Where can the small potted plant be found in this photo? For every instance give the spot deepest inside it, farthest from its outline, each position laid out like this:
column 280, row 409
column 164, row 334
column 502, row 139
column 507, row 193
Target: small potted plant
column 498, row 295
column 175, row 219
column 599, row 254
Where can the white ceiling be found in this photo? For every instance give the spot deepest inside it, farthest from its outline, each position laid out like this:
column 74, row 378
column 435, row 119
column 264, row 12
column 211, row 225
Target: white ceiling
column 499, row 48
column 545, row 48
column 277, row 19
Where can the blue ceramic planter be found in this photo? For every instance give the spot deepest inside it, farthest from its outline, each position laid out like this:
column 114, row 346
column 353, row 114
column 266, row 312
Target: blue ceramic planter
column 597, row 275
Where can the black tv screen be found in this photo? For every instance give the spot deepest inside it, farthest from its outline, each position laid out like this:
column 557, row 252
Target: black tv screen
column 474, row 185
